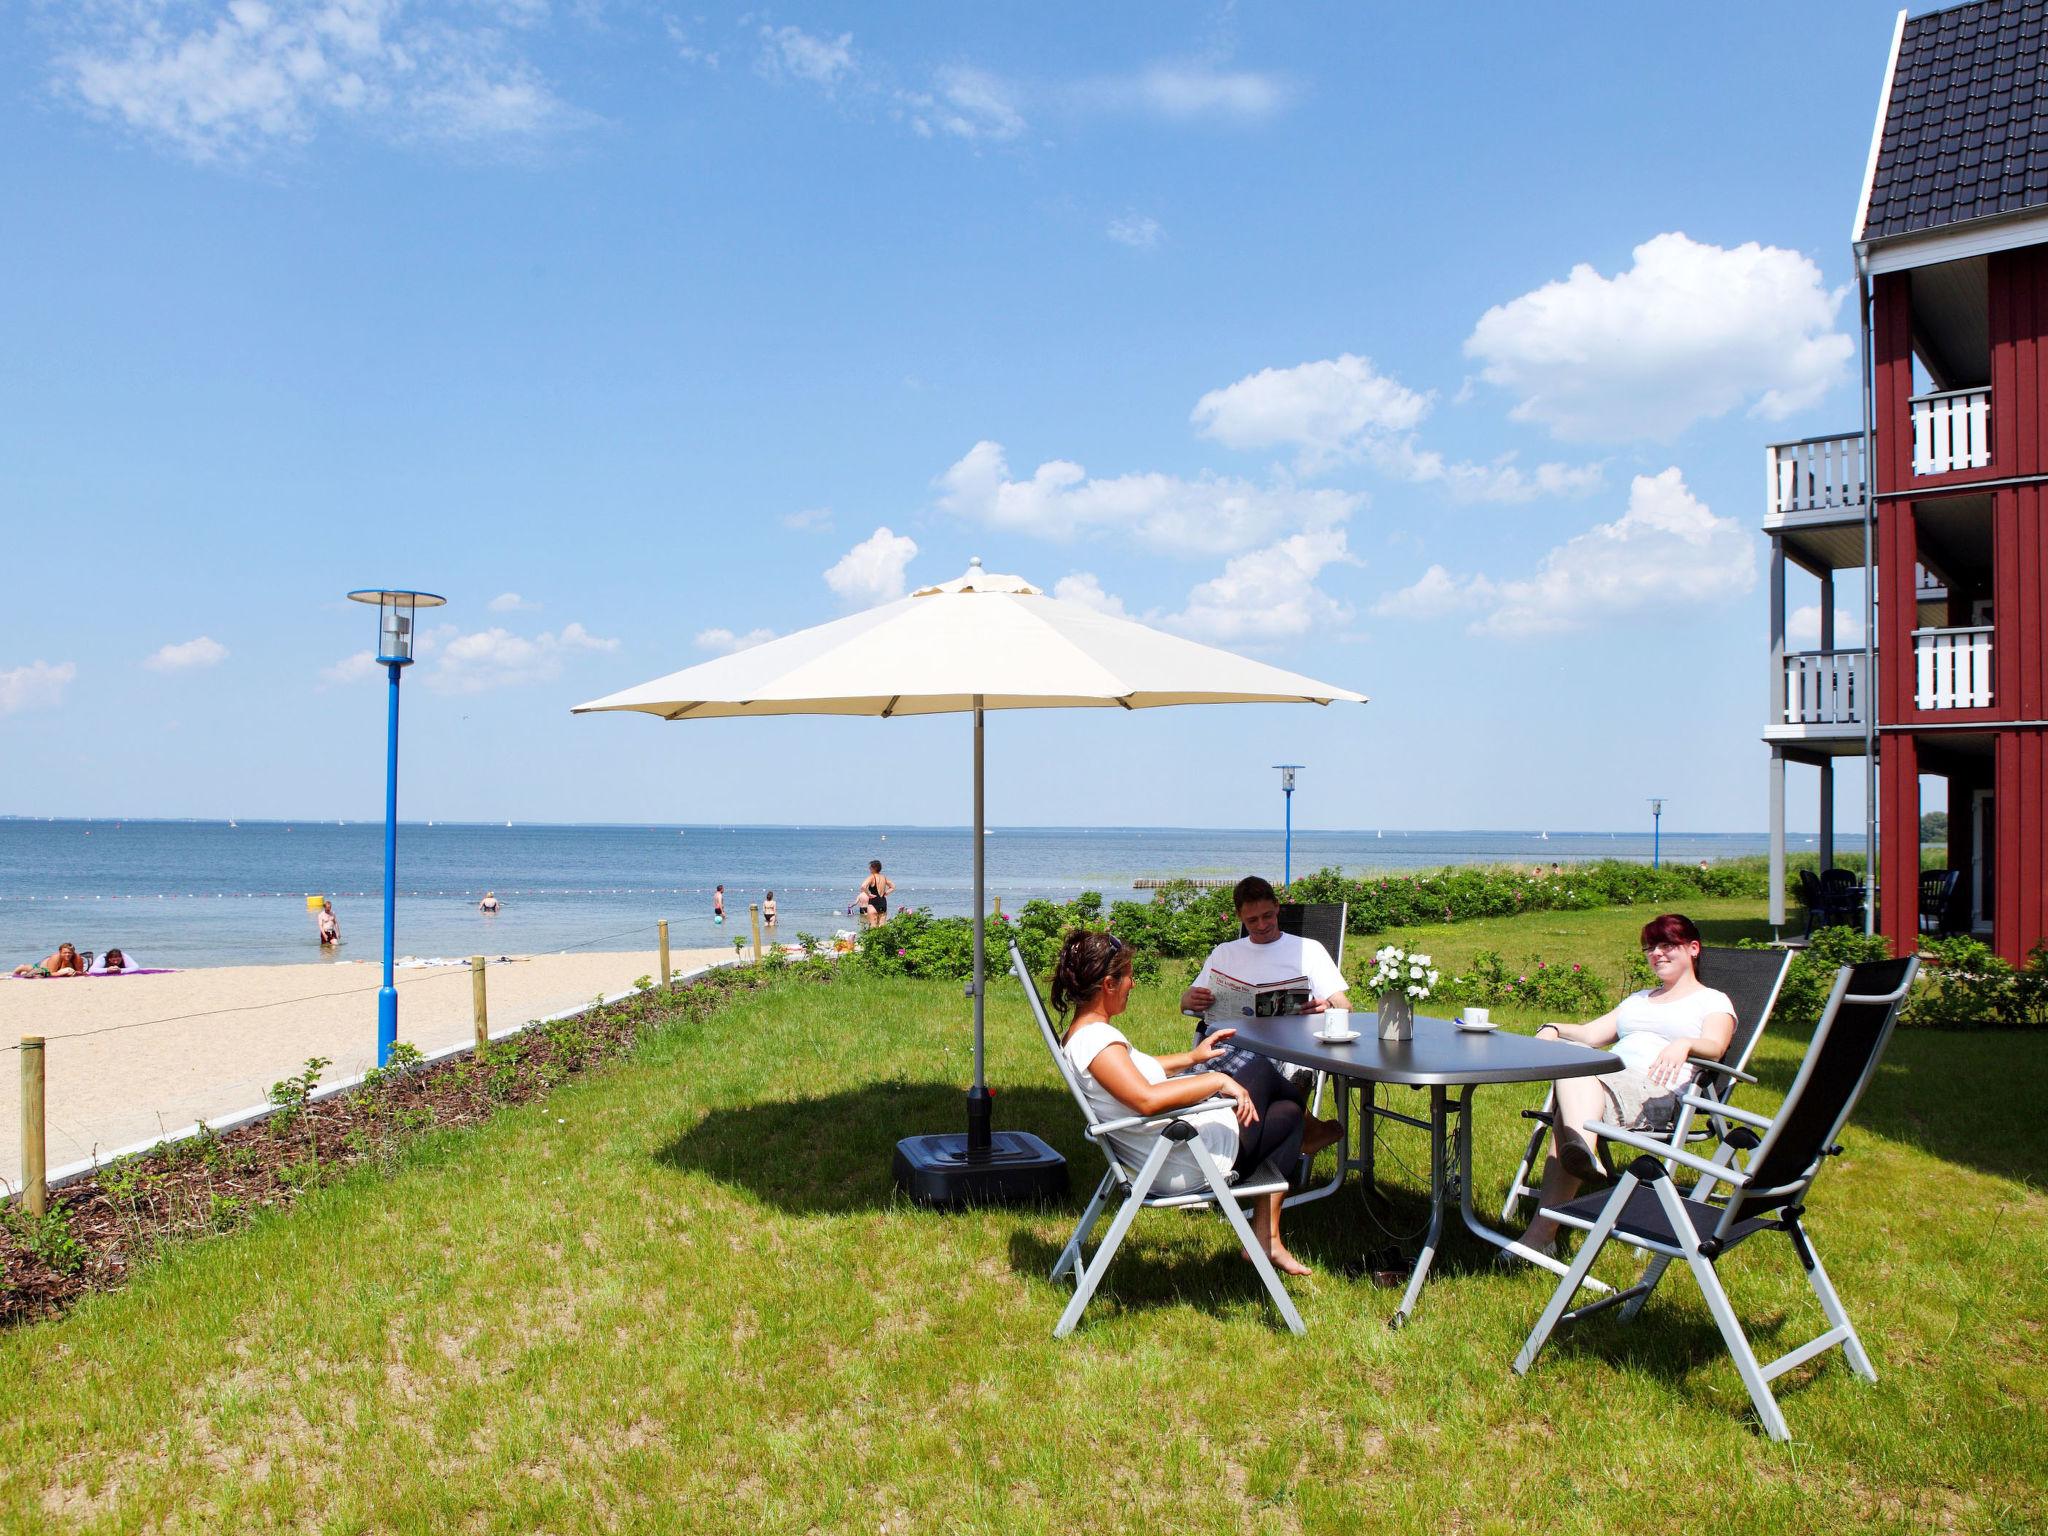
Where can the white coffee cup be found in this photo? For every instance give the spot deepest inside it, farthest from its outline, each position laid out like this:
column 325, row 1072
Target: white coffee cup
column 1478, row 1016
column 1336, row 1021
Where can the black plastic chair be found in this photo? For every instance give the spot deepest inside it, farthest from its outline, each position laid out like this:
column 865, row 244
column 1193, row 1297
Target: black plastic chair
column 1811, row 899
column 1937, row 891
column 1841, row 898
column 1647, row 1211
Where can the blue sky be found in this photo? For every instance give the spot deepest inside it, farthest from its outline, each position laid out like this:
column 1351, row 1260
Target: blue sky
column 1431, row 351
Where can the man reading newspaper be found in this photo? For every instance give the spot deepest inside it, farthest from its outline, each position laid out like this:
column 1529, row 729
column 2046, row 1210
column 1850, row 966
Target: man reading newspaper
column 1266, row 972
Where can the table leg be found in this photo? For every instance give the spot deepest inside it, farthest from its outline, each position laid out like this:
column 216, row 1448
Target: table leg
column 1471, row 1217
column 1438, row 1177
column 1368, row 1137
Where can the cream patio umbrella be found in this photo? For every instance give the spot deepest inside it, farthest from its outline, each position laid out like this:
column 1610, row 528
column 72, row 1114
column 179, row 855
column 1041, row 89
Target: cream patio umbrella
column 978, row 643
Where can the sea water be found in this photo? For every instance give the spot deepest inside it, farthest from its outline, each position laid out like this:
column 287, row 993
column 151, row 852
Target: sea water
column 184, row 893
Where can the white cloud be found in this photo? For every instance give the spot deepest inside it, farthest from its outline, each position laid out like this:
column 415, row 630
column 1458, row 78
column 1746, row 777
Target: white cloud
column 35, row 686
column 872, row 571
column 808, row 517
column 510, row 602
column 1181, row 91
column 227, row 83
column 352, row 669
column 966, row 103
column 793, row 53
column 1802, row 627
column 1689, row 332
column 497, row 658
column 1667, row 550
column 725, row 642
column 187, row 655
column 1085, row 591
column 1139, row 231
column 1343, row 408
column 1270, row 593
column 1209, row 515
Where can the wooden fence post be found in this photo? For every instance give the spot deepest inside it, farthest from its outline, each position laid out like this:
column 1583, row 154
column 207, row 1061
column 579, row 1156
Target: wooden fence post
column 662, row 928
column 754, row 916
column 35, row 1196
column 477, row 1000
column 999, row 909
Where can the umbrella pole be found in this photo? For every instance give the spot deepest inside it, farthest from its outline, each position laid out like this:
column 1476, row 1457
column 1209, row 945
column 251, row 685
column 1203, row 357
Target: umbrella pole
column 979, row 1135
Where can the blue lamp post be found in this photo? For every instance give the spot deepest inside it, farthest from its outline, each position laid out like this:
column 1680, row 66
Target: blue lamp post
column 1287, row 772
column 395, row 612
column 1656, row 831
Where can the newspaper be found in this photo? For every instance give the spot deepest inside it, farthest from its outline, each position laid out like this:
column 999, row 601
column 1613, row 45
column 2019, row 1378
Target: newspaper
column 1235, row 1001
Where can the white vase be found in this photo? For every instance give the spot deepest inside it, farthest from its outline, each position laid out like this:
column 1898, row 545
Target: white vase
column 1397, row 1016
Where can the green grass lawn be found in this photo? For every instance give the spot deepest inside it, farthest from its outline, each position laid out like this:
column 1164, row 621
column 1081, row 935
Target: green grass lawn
column 680, row 1295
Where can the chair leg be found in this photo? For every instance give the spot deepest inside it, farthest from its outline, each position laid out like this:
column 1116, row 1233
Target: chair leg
column 1753, row 1379
column 1651, row 1275
column 1831, row 1304
column 1568, row 1287
column 1070, row 1256
column 1519, row 1187
column 1219, row 1185
column 1091, row 1277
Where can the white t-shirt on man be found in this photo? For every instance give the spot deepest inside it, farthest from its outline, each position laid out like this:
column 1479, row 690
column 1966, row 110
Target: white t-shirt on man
column 1285, row 958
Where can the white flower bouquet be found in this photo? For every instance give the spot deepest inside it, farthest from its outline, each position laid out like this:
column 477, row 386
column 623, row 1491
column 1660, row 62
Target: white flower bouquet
column 1396, row 970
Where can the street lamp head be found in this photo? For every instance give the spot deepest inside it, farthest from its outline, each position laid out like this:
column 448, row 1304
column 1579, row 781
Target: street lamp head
column 395, row 611
column 1656, row 805
column 1287, row 775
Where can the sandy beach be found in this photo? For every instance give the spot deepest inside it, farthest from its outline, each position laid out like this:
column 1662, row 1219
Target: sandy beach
column 203, row 1043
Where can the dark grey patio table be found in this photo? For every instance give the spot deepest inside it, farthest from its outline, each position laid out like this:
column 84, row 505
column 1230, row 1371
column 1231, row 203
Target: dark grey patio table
column 1440, row 1057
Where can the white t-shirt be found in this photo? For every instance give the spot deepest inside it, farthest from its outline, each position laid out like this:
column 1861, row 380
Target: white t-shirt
column 1180, row 1172
column 1647, row 1027
column 1286, row 957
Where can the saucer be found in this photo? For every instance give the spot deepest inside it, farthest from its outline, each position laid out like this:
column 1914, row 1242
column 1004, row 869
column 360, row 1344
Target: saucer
column 1476, row 1029
column 1335, row 1037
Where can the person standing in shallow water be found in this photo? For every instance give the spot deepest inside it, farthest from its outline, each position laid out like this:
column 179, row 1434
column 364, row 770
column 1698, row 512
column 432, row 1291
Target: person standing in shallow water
column 718, row 905
column 768, row 909
column 875, row 892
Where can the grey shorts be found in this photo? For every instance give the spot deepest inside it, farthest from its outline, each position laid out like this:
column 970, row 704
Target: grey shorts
column 1639, row 1104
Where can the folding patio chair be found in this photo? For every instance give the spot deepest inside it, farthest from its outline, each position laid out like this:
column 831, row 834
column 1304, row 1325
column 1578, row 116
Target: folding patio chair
column 1134, row 1184
column 1646, row 1211
column 1752, row 979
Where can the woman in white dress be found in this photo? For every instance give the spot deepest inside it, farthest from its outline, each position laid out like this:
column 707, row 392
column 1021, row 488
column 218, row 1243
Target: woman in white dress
column 1260, row 1121
column 1654, row 1032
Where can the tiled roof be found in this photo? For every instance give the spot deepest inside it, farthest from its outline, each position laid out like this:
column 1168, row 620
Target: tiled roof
column 1962, row 136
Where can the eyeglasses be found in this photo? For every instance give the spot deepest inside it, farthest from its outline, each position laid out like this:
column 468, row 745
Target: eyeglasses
column 1667, row 949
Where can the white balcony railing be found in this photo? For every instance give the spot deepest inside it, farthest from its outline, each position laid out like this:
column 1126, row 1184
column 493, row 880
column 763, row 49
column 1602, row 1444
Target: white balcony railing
column 1819, row 474
column 1951, row 430
column 1824, row 688
column 1954, row 667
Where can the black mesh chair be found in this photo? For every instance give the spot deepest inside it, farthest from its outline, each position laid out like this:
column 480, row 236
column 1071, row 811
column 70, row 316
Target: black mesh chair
column 1787, row 1151
column 1937, row 891
column 1811, row 899
column 1752, row 979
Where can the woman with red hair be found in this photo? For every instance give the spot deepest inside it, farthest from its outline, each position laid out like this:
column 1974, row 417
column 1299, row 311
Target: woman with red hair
column 1654, row 1032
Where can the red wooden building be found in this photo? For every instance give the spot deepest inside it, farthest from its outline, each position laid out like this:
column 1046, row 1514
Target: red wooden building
column 1951, row 243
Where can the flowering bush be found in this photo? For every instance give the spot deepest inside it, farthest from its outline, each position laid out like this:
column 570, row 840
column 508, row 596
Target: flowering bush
column 1567, row 991
column 1395, row 969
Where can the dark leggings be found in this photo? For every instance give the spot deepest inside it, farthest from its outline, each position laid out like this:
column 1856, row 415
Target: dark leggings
column 1276, row 1134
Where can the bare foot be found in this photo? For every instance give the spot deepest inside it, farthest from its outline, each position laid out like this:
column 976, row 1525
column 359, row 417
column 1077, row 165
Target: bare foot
column 1320, row 1134
column 1286, row 1262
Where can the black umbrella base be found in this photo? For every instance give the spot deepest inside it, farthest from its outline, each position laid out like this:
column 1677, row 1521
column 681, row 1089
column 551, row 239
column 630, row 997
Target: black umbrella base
column 1017, row 1169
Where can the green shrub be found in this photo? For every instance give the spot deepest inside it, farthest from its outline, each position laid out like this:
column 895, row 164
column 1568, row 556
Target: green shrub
column 1965, row 984
column 1812, row 975
column 1568, row 991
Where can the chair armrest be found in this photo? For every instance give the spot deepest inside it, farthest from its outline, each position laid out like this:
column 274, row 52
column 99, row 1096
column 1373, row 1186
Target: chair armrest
column 1165, row 1117
column 1715, row 1108
column 1703, row 1064
column 1661, row 1149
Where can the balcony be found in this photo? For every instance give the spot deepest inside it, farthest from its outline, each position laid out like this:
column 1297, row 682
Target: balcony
column 1951, row 431
column 1824, row 689
column 1816, row 475
column 1953, row 667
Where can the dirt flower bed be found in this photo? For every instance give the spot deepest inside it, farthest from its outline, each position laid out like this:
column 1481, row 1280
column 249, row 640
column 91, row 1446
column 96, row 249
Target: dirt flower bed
column 99, row 1229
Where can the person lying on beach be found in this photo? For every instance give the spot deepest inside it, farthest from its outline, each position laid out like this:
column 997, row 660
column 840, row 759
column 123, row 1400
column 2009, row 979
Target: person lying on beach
column 112, row 963
column 1262, row 1120
column 1265, row 954
column 63, row 963
column 1654, row 1032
